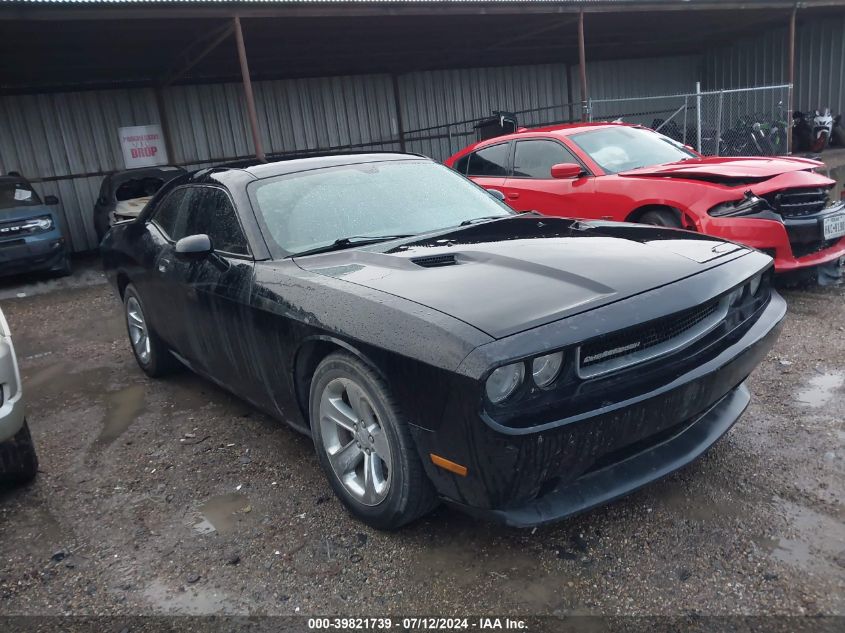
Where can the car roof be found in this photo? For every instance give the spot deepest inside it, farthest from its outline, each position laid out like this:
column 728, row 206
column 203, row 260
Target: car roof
column 559, row 130
column 292, row 164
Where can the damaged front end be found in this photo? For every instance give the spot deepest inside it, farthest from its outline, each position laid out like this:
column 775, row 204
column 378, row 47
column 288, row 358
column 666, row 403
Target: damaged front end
column 751, row 205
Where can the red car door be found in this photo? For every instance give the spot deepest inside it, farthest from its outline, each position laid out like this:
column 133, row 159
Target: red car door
column 488, row 167
column 531, row 187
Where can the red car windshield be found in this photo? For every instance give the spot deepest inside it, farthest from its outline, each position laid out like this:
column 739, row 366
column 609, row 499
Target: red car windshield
column 619, row 148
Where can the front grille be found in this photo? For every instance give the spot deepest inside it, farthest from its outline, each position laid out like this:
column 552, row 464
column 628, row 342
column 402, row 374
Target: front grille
column 808, row 248
column 15, row 242
column 648, row 340
column 797, row 203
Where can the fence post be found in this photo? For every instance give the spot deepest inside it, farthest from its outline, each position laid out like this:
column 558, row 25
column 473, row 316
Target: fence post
column 590, row 110
column 686, row 107
column 719, row 122
column 698, row 115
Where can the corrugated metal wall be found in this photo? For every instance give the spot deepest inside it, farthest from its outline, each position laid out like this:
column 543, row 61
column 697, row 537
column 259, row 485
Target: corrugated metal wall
column 208, row 123
column 430, row 99
column 762, row 60
column 54, row 135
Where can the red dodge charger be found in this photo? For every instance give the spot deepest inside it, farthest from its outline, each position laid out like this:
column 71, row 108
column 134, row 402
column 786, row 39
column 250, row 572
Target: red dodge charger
column 628, row 173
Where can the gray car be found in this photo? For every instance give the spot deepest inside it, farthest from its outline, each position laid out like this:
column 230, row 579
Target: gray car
column 18, row 462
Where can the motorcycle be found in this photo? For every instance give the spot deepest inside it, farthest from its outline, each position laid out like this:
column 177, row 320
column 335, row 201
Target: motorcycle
column 802, row 132
column 822, row 130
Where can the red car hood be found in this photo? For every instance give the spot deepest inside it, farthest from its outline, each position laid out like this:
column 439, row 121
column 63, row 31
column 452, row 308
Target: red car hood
column 713, row 168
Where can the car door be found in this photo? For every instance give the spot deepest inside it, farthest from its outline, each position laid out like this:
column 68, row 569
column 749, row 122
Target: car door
column 489, row 166
column 217, row 291
column 530, row 186
column 162, row 289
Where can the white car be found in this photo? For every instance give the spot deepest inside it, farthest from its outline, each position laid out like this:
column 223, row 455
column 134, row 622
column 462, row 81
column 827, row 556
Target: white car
column 18, row 462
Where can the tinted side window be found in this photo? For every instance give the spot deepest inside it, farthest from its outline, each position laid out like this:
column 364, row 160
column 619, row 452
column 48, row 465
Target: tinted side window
column 534, row 159
column 490, row 161
column 461, row 164
column 226, row 233
column 167, row 215
column 210, row 211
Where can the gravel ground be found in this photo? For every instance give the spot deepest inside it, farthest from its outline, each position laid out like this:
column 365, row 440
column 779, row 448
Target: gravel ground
column 173, row 497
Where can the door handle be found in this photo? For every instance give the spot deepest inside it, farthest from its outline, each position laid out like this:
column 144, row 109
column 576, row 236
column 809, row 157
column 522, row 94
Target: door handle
column 513, row 195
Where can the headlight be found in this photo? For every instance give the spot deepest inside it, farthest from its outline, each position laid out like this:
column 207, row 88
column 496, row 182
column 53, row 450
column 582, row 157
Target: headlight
column 504, row 381
column 735, row 295
column 545, row 369
column 754, row 283
column 44, row 223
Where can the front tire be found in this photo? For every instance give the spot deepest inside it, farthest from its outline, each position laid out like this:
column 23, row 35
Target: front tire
column 364, row 446
column 153, row 356
column 18, row 461
column 661, row 217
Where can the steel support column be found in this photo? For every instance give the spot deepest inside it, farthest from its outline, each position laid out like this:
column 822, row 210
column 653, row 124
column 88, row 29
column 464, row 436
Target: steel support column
column 397, row 103
column 790, row 73
column 582, row 64
column 248, row 94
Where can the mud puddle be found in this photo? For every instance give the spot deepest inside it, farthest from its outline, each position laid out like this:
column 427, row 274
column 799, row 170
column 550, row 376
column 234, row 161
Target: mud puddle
column 122, row 408
column 189, row 600
column 821, row 389
column 813, row 541
column 222, row 513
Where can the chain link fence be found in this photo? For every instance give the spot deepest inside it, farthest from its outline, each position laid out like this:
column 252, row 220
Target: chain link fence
column 737, row 122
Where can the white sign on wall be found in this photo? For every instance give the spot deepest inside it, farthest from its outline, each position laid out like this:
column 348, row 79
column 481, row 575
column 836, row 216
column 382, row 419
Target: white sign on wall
column 143, row 146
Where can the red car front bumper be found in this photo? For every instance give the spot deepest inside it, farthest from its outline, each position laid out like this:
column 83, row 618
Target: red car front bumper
column 793, row 244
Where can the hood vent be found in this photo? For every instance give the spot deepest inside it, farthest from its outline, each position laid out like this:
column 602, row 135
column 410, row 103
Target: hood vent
column 435, row 261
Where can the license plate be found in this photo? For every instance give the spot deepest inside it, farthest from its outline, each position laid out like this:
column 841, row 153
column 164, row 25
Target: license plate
column 834, row 226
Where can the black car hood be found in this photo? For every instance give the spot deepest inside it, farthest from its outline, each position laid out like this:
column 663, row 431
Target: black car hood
column 510, row 275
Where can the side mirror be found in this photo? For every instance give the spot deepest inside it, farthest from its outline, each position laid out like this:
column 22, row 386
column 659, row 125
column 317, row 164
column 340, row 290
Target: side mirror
column 194, row 247
column 51, row 200
column 566, row 170
column 496, row 194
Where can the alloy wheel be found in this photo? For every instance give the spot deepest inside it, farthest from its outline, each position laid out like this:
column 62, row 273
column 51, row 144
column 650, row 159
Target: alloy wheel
column 138, row 334
column 355, row 441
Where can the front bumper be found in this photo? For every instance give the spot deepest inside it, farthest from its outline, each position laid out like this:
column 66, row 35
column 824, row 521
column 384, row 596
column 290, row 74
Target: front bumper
column 525, row 479
column 24, row 255
column 794, row 243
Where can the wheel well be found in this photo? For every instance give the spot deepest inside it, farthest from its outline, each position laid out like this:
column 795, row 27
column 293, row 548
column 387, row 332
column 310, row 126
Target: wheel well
column 637, row 213
column 122, row 282
column 686, row 221
column 308, row 357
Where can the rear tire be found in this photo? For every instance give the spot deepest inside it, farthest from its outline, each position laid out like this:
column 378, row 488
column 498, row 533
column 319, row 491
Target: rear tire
column 18, row 461
column 65, row 269
column 372, row 438
column 820, row 142
column 661, row 217
column 153, row 356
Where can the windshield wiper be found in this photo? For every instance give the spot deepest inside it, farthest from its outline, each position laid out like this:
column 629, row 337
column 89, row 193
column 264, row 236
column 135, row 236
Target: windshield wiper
column 349, row 242
column 483, row 218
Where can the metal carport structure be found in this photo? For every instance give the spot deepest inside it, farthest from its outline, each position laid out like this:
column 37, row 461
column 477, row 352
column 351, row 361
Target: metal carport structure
column 68, row 69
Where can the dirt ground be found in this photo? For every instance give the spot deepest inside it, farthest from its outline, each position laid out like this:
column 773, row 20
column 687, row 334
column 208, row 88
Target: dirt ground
column 171, row 496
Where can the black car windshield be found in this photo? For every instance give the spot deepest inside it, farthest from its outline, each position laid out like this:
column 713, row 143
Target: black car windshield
column 312, row 209
column 620, row 148
column 17, row 193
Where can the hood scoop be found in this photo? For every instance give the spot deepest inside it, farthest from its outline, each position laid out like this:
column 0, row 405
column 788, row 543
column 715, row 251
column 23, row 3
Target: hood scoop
column 435, row 261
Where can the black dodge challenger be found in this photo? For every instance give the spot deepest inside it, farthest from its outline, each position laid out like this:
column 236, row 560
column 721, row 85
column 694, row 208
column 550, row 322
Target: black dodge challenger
column 437, row 346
